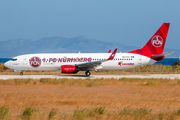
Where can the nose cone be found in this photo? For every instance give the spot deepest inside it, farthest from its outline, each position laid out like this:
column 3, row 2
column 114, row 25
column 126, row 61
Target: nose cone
column 7, row 64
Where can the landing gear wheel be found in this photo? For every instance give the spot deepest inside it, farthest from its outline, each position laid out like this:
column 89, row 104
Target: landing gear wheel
column 21, row 73
column 88, row 73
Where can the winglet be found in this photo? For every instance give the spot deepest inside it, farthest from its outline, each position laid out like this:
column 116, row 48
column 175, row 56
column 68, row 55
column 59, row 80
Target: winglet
column 111, row 57
column 109, row 51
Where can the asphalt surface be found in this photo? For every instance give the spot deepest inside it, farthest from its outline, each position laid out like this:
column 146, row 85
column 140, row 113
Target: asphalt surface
column 164, row 76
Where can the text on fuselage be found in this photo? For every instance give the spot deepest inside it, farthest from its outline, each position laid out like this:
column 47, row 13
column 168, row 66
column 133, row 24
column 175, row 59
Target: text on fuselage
column 65, row 59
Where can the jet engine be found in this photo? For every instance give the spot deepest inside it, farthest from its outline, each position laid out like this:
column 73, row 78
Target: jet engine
column 69, row 69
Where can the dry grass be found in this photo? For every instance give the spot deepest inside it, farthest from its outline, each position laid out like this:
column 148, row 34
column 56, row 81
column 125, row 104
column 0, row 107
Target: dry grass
column 92, row 82
column 125, row 98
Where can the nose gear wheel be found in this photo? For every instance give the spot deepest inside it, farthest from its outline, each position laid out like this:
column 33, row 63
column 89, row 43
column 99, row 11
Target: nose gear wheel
column 87, row 73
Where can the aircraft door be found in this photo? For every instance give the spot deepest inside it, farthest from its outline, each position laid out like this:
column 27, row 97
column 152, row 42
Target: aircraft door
column 25, row 61
column 140, row 60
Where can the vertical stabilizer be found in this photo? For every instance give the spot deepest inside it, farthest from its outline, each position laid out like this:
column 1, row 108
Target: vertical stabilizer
column 156, row 44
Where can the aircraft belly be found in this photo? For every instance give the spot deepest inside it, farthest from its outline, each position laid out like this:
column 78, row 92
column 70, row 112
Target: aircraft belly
column 46, row 68
column 42, row 67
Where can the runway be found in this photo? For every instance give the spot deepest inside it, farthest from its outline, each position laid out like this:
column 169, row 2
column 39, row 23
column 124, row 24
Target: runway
column 163, row 76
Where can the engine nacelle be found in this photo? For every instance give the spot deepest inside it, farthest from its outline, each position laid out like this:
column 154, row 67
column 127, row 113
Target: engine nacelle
column 69, row 69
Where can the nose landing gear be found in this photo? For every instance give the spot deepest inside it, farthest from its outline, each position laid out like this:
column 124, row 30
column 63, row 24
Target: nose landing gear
column 21, row 73
column 87, row 73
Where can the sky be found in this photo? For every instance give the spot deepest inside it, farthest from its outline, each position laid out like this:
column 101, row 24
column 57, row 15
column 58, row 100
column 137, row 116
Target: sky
column 129, row 22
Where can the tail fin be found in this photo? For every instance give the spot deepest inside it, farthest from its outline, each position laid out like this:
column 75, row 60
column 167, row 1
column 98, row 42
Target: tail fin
column 155, row 45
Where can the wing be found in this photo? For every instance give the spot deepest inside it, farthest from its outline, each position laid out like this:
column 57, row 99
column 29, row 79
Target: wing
column 95, row 64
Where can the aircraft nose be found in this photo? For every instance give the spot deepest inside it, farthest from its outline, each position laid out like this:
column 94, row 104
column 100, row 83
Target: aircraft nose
column 7, row 64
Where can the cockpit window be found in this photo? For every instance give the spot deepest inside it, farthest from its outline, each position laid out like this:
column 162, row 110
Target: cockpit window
column 14, row 59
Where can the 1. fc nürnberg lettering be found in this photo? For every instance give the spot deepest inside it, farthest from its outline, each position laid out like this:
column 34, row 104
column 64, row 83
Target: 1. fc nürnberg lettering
column 36, row 61
column 65, row 59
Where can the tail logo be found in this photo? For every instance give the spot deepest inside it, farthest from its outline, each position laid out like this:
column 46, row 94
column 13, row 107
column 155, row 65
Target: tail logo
column 157, row 41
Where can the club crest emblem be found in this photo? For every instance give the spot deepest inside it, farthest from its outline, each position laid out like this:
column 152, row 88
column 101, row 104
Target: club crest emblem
column 157, row 41
column 35, row 61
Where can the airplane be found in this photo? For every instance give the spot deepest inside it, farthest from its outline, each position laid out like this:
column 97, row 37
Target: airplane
column 75, row 62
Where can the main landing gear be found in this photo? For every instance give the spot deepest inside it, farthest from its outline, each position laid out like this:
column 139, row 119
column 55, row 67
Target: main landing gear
column 87, row 73
column 21, row 73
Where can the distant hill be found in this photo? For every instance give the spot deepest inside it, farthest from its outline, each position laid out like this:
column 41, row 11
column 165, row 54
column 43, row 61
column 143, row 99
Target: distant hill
column 16, row 47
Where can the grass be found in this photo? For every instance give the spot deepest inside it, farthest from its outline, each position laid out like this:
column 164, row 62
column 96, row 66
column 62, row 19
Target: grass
column 3, row 112
column 52, row 114
column 177, row 112
column 89, row 84
column 151, row 83
column 88, row 113
column 15, row 81
column 162, row 116
column 50, row 81
column 22, row 81
column 96, row 114
column 2, row 67
column 99, row 110
column 21, row 99
column 136, row 112
column 81, row 114
column 27, row 113
column 93, row 82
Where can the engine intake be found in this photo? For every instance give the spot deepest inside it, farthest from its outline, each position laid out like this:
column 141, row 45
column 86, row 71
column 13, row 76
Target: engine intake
column 69, row 69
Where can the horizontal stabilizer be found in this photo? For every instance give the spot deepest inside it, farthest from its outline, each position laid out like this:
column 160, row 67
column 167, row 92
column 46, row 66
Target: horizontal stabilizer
column 160, row 56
